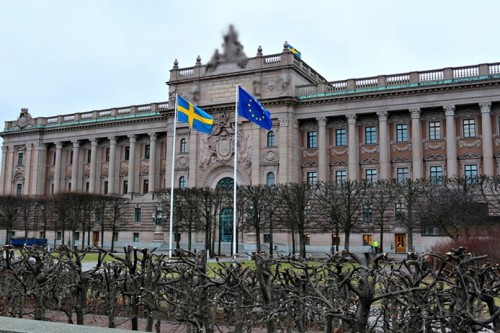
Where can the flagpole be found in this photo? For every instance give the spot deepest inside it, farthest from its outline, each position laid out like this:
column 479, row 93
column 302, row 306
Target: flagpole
column 235, row 169
column 170, row 239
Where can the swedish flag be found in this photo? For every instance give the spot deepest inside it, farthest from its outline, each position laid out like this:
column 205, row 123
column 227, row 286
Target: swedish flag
column 294, row 51
column 194, row 116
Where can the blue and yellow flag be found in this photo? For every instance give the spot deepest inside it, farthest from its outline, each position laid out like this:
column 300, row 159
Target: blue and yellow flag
column 194, row 116
column 251, row 109
column 294, row 51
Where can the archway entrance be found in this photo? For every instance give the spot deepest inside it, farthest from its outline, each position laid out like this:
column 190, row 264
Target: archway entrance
column 226, row 213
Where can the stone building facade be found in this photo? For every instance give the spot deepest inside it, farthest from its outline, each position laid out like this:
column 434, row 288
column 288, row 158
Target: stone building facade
column 442, row 122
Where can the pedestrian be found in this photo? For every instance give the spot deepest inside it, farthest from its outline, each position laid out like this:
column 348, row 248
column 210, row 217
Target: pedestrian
column 375, row 246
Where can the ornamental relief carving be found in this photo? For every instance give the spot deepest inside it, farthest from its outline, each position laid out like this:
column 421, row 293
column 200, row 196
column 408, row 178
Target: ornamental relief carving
column 182, row 161
column 434, row 145
column 144, row 168
column 271, row 156
column 68, row 171
column 471, row 144
column 401, row 147
column 104, row 169
column 123, row 168
column 339, row 151
column 369, row 151
column 51, row 171
column 86, row 170
column 310, row 153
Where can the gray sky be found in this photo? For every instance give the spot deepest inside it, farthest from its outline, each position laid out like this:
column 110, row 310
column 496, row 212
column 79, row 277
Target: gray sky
column 62, row 56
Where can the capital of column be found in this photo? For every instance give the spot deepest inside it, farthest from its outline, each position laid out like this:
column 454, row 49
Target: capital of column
column 28, row 147
column 112, row 140
column 351, row 118
column 59, row 145
column 170, row 130
column 382, row 116
column 284, row 121
column 485, row 107
column 132, row 138
column 93, row 142
column 152, row 136
column 321, row 121
column 415, row 113
column 76, row 143
column 449, row 110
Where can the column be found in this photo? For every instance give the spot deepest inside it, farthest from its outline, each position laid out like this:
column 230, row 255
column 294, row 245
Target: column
column 322, row 150
column 74, row 167
column 451, row 141
column 40, row 168
column 168, row 156
column 285, row 149
column 112, row 165
column 57, row 168
column 152, row 162
column 2, row 171
column 131, row 164
column 487, row 134
column 10, row 170
column 255, row 154
column 416, row 145
column 93, row 164
column 193, row 158
column 352, row 148
column 384, row 158
column 27, row 170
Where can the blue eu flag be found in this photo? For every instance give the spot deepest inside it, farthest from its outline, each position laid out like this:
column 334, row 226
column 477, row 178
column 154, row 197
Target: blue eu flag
column 194, row 116
column 250, row 108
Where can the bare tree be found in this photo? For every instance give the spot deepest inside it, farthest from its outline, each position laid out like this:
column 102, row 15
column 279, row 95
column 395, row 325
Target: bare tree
column 10, row 208
column 382, row 196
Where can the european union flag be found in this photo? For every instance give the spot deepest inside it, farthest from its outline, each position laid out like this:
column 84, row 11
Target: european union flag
column 294, row 51
column 194, row 116
column 251, row 109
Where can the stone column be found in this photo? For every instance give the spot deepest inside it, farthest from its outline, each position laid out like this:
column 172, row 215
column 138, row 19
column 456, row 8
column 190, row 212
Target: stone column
column 384, row 158
column 168, row 155
column 57, row 168
column 285, row 148
column 112, row 164
column 3, row 170
column 322, row 150
column 39, row 169
column 27, row 170
column 487, row 137
column 255, row 154
column 10, row 170
column 74, row 167
column 93, row 164
column 352, row 148
column 451, row 142
column 193, row 158
column 131, row 164
column 416, row 145
column 152, row 162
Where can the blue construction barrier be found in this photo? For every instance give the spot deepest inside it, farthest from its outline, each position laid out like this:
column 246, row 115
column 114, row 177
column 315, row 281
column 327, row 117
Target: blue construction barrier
column 20, row 242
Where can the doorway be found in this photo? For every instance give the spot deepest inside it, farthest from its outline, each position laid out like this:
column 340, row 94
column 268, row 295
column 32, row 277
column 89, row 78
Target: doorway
column 95, row 238
column 400, row 241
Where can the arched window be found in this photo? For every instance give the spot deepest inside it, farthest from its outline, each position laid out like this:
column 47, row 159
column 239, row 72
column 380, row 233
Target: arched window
column 270, row 179
column 182, row 182
column 226, row 183
column 271, row 139
column 183, row 146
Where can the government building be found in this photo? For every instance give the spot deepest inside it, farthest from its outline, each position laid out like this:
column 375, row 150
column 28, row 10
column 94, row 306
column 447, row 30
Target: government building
column 433, row 123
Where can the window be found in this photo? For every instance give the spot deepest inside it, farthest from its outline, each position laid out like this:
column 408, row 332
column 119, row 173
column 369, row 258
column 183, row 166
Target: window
column 340, row 176
column 367, row 240
column 106, row 155
column 115, row 236
column 183, row 146
column 401, row 133
column 71, row 157
column 89, row 155
column 340, row 137
column 87, row 187
column 307, row 239
column 127, row 153
column 271, row 139
column 267, row 238
column 470, row 173
column 434, row 130
column 42, row 234
column 182, row 182
column 145, row 186
column 54, row 159
column 402, row 174
column 367, row 213
column 58, row 235
column 335, row 240
column 370, row 135
column 69, row 187
column 106, row 187
column 20, row 158
column 371, row 175
column 312, row 178
column 436, row 174
column 270, row 179
column 469, row 128
column 312, row 139
column 147, row 151
column 400, row 210
column 52, row 188
column 430, row 231
column 136, row 237
column 19, row 189
column 98, row 216
column 77, row 236
column 137, row 215
column 125, row 187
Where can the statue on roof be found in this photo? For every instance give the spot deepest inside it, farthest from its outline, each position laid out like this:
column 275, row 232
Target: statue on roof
column 232, row 52
column 24, row 120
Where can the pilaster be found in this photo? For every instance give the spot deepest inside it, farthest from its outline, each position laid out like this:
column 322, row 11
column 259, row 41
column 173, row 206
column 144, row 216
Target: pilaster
column 416, row 145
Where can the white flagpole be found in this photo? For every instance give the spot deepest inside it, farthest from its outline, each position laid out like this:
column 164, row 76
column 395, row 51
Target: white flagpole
column 170, row 239
column 235, row 169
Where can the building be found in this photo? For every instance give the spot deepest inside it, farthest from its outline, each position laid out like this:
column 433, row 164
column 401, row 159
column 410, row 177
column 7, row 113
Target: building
column 433, row 123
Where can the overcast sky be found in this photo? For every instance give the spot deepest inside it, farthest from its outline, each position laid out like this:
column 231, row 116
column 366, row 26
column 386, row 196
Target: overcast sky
column 65, row 56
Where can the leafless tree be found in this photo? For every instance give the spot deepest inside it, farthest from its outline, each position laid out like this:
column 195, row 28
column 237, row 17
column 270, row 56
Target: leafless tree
column 10, row 209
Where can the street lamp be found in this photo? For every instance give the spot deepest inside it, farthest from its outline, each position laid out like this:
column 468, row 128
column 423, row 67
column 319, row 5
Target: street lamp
column 158, row 215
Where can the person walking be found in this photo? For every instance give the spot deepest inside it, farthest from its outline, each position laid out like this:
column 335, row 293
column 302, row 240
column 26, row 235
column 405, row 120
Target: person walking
column 375, row 246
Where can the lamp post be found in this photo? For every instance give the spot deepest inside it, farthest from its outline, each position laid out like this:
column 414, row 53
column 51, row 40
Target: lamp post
column 158, row 219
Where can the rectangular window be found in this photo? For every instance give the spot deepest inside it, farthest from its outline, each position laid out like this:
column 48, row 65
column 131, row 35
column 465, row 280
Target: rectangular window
column 147, row 150
column 370, row 135
column 145, row 186
column 106, row 187
column 89, row 155
column 312, row 139
column 400, row 210
column 69, row 187
column 402, row 174
column 436, row 174
column 127, row 154
column 367, row 240
column 59, row 235
column 434, row 130
column 71, row 157
column 137, row 215
column 20, row 159
column 77, row 236
column 54, row 159
column 371, row 175
column 312, row 178
column 136, row 237
column 470, row 173
column 125, row 187
column 106, row 156
column 267, row 238
column 335, row 240
column 87, row 187
column 115, row 236
column 401, row 133
column 469, row 128
column 340, row 176
column 340, row 137
column 98, row 216
column 307, row 239
column 19, row 189
column 367, row 213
